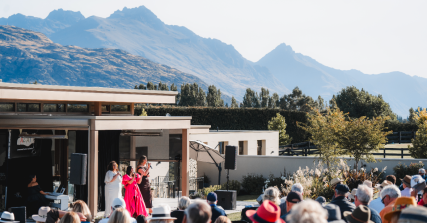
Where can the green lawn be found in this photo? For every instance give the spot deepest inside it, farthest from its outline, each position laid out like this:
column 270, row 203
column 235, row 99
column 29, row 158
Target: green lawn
column 234, row 216
column 248, row 198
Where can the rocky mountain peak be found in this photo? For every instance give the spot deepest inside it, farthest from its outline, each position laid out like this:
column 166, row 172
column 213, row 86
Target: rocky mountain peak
column 140, row 13
column 65, row 16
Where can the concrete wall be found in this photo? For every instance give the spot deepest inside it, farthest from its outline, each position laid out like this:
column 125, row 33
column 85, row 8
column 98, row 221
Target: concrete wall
column 271, row 138
column 275, row 165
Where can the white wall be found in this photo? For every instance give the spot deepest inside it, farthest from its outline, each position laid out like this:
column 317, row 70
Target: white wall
column 233, row 137
column 275, row 165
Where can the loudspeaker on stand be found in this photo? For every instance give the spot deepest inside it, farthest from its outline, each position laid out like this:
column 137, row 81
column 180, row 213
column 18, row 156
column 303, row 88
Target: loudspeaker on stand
column 78, row 169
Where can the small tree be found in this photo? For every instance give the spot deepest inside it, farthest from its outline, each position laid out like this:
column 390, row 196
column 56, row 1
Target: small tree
column 234, row 103
column 419, row 149
column 278, row 123
column 362, row 136
column 326, row 130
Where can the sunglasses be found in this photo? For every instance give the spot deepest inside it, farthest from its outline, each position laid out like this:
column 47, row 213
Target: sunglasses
column 382, row 200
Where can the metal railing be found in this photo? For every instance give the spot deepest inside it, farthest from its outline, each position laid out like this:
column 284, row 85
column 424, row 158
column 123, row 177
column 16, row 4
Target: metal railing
column 166, row 187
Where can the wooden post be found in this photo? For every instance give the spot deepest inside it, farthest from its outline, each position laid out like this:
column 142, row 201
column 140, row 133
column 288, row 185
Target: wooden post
column 133, row 151
column 93, row 170
column 97, row 108
column 132, row 109
column 384, row 152
column 185, row 170
column 400, row 137
column 402, row 152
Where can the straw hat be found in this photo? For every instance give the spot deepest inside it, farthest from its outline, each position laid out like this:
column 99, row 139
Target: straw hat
column 267, row 212
column 8, row 217
column 361, row 214
column 368, row 183
column 335, row 181
column 400, row 204
column 353, row 193
column 406, row 180
column 42, row 215
column 413, row 214
column 161, row 212
column 383, row 184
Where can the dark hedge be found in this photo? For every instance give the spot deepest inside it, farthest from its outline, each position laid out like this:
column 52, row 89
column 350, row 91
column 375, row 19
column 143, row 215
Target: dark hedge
column 396, row 126
column 235, row 119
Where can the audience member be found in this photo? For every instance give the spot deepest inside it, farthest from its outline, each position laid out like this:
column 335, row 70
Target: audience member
column 198, row 212
column 8, row 217
column 400, row 204
column 118, row 203
column 119, row 215
column 321, row 200
column 307, row 211
column 377, row 204
column 363, row 196
column 142, row 219
column 183, row 203
column 391, row 179
column 340, row 194
column 161, row 214
column 422, row 173
column 334, row 213
column 81, row 206
column 292, row 199
column 222, row 219
column 413, row 214
column 267, row 212
column 216, row 211
column 352, row 194
column 423, row 200
column 272, row 194
column 407, row 190
column 389, row 194
column 73, row 217
column 295, row 188
column 368, row 183
column 361, row 214
column 334, row 183
column 45, row 214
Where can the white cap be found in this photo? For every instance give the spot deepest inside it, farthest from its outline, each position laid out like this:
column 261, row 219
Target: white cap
column 118, row 202
column 422, row 170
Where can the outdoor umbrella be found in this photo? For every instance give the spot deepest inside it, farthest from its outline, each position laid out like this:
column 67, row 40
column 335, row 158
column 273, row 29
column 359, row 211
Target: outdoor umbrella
column 204, row 153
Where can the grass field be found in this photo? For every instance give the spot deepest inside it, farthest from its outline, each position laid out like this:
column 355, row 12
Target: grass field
column 234, row 216
column 248, row 198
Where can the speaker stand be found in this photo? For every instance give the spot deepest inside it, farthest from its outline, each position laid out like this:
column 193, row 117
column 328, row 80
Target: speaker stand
column 228, row 176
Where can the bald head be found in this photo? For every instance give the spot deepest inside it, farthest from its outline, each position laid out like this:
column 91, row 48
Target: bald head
column 198, row 212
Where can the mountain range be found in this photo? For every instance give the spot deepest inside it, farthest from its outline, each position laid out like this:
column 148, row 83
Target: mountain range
column 139, row 32
column 27, row 56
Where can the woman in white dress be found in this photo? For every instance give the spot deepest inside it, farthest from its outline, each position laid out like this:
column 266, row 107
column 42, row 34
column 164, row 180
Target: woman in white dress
column 113, row 186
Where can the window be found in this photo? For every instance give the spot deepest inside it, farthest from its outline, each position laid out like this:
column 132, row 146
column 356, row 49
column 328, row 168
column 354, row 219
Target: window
column 28, row 107
column 222, row 146
column 120, row 108
column 7, row 107
column 260, row 147
column 77, row 108
column 105, row 108
column 53, row 108
column 242, row 146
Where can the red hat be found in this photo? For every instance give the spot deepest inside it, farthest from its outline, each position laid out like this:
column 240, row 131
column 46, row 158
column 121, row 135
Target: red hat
column 268, row 212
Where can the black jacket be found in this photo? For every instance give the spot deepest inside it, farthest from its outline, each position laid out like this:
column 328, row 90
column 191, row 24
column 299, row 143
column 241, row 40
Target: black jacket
column 344, row 205
column 216, row 212
column 179, row 215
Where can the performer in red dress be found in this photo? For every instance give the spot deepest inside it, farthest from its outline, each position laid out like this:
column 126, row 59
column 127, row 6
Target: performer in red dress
column 133, row 198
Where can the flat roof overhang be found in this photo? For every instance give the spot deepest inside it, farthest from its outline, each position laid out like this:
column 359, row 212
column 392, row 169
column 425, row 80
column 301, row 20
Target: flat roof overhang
column 34, row 92
column 97, row 123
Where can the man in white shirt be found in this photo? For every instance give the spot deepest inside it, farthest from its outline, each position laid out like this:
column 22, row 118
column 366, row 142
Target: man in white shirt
column 377, row 204
column 407, row 190
column 117, row 203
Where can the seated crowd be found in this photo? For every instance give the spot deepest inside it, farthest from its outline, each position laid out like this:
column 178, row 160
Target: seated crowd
column 392, row 205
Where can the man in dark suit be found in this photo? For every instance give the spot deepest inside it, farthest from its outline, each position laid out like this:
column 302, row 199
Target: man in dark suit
column 216, row 211
column 341, row 192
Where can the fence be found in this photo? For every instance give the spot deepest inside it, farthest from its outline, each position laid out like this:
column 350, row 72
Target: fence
column 164, row 187
column 400, row 137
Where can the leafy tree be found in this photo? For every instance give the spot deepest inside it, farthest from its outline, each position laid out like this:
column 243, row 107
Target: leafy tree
column 362, row 136
column 175, row 88
column 150, row 86
column 320, row 103
column 256, row 101
column 326, row 130
column 201, row 98
column 274, row 101
column 264, row 97
column 297, row 101
column 419, row 149
column 234, row 102
column 278, row 123
column 163, row 87
column 248, row 98
column 214, row 97
column 360, row 103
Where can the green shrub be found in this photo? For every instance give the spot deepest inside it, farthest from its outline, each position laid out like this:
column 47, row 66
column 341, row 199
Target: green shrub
column 211, row 188
column 253, row 183
column 233, row 185
column 401, row 170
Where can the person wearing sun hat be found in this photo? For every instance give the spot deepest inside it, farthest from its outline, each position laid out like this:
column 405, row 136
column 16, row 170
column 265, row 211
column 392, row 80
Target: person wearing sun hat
column 341, row 192
column 400, row 204
column 268, row 212
column 41, row 215
column 361, row 214
column 377, row 204
column 407, row 190
column 351, row 195
column 389, row 195
column 413, row 214
column 162, row 212
column 368, row 183
column 8, row 217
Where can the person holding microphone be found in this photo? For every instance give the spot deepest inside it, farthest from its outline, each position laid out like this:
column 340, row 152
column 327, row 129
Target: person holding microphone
column 144, row 186
column 113, row 187
column 133, row 198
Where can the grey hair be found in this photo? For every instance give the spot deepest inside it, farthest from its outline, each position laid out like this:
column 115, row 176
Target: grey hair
column 390, row 190
column 308, row 211
column 297, row 188
column 183, row 203
column 272, row 194
column 364, row 193
column 198, row 212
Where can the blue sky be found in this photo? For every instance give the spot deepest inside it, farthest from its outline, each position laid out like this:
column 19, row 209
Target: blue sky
column 371, row 36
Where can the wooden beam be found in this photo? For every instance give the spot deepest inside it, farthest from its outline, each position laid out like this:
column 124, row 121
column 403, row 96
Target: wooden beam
column 93, row 171
column 185, row 170
column 132, row 109
column 97, row 108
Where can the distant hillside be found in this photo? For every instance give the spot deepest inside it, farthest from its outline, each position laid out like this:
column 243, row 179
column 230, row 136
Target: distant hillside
column 140, row 32
column 400, row 90
column 27, row 56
